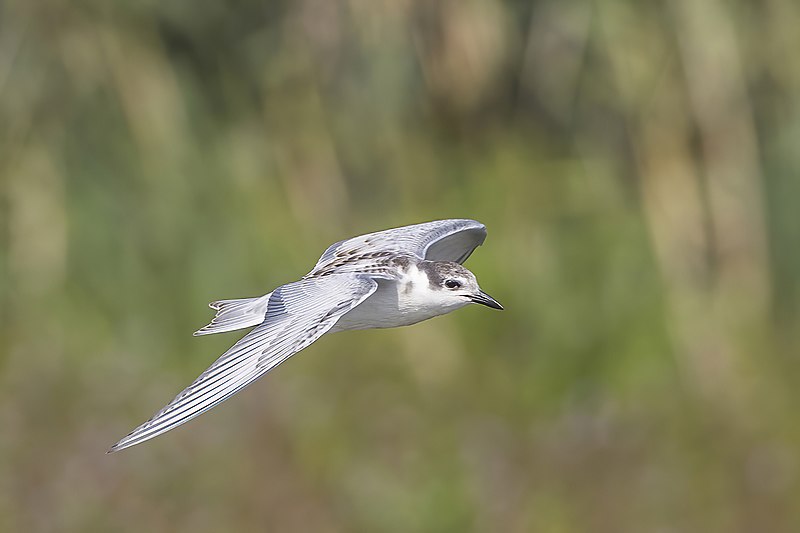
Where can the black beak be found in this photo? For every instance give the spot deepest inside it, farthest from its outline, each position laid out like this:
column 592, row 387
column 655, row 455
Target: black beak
column 485, row 299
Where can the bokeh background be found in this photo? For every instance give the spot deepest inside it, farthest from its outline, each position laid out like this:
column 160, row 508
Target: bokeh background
column 636, row 164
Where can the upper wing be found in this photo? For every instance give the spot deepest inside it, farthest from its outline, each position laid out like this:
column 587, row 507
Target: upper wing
column 440, row 240
column 298, row 314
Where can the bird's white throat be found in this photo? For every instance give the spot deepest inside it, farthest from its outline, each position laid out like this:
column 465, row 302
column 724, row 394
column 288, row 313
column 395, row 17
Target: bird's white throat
column 410, row 299
column 418, row 295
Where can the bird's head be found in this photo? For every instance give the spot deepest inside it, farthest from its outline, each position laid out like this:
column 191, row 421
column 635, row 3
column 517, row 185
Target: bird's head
column 453, row 286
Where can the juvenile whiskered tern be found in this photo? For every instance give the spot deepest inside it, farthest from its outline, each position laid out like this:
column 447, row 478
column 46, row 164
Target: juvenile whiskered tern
column 390, row 278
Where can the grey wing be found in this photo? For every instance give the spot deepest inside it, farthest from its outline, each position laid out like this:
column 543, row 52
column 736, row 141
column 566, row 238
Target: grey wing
column 298, row 314
column 440, row 240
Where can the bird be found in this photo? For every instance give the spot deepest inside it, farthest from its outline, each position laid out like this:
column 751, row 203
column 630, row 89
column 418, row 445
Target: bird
column 390, row 278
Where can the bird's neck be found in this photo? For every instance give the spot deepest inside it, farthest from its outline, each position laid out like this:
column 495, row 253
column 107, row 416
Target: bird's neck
column 417, row 295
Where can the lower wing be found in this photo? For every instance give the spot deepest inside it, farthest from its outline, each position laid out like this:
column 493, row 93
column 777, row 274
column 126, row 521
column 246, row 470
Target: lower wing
column 297, row 315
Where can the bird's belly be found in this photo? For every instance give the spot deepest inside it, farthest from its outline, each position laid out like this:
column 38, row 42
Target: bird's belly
column 384, row 309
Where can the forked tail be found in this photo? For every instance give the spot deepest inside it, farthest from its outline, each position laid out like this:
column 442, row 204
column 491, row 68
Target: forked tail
column 236, row 314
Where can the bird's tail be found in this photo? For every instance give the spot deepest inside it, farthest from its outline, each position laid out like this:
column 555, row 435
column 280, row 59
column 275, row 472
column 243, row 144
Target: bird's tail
column 236, row 314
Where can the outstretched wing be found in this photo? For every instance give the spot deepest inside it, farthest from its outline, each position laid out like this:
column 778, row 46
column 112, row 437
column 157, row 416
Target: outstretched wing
column 440, row 240
column 297, row 314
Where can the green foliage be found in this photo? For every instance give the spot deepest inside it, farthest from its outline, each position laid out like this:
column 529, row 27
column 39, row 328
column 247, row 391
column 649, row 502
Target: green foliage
column 636, row 165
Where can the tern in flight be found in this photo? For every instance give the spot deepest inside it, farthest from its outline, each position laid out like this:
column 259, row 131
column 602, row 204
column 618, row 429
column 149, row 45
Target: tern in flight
column 386, row 279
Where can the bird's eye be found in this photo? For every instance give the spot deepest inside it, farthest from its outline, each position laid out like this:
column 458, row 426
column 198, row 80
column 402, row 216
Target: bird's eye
column 452, row 284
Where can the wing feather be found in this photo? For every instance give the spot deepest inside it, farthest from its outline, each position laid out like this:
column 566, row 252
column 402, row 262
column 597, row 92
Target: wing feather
column 297, row 315
column 440, row 240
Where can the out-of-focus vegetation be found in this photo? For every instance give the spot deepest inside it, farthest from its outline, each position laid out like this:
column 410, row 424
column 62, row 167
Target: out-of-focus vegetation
column 636, row 164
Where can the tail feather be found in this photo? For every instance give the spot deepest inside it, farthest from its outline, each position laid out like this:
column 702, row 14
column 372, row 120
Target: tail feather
column 236, row 314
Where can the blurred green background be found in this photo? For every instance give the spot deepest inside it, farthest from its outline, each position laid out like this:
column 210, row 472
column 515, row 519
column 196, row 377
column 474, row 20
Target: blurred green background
column 636, row 164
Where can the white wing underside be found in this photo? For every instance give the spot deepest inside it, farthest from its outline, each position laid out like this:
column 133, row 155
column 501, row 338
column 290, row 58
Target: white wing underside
column 298, row 314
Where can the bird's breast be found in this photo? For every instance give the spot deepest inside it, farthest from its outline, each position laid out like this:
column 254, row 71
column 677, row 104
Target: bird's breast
column 393, row 304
